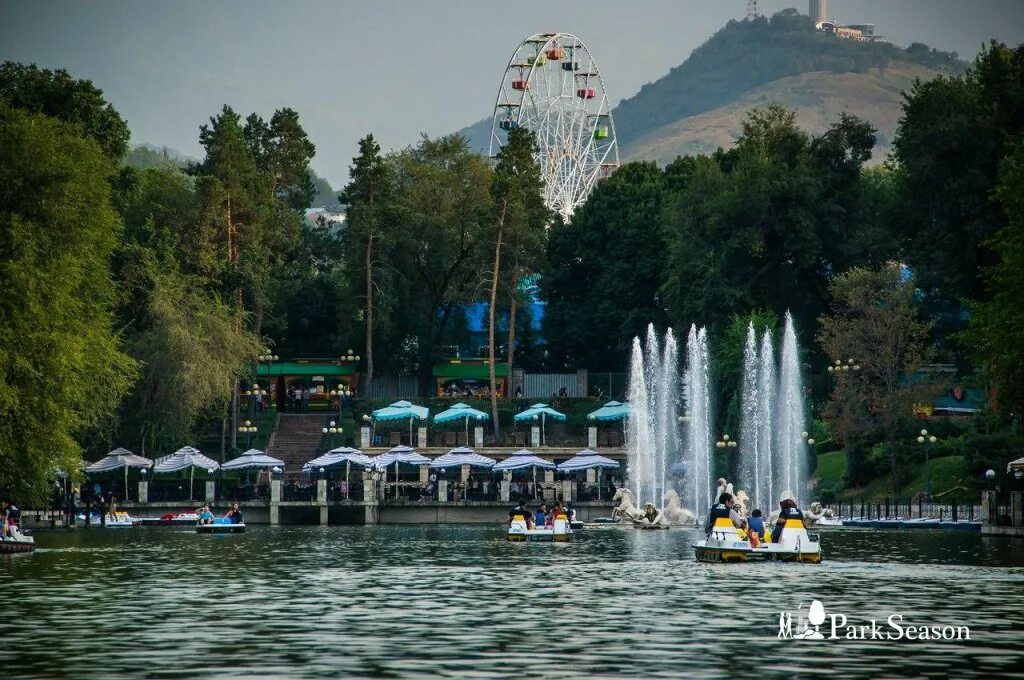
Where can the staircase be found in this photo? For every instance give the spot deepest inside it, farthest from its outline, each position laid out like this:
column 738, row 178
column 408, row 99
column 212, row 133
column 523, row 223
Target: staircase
column 297, row 439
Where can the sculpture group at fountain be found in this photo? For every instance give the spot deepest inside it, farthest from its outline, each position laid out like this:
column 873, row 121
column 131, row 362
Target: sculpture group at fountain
column 772, row 442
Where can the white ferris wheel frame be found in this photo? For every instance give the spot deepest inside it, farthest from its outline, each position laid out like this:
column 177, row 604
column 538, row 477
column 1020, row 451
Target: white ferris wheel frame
column 571, row 157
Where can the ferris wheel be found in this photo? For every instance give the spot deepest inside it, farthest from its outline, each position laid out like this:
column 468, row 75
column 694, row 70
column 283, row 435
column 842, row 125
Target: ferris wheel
column 553, row 87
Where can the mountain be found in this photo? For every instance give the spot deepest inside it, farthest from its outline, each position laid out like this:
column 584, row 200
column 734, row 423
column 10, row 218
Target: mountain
column 696, row 107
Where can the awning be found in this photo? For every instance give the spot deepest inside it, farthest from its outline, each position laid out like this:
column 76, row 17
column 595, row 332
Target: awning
column 304, row 369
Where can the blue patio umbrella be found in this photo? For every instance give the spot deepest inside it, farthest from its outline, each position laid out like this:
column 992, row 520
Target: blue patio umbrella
column 401, row 410
column 461, row 411
column 541, row 411
column 588, row 459
column 613, row 410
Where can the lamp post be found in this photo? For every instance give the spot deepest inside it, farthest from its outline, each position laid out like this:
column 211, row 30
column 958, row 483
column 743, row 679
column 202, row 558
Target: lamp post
column 927, row 440
column 339, row 392
column 332, row 430
column 726, row 442
column 248, row 428
column 840, row 367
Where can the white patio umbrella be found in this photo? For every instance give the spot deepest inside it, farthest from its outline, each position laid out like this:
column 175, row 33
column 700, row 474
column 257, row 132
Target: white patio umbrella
column 187, row 457
column 119, row 458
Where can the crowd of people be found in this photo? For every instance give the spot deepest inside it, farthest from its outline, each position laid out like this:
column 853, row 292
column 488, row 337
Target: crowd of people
column 753, row 528
column 544, row 516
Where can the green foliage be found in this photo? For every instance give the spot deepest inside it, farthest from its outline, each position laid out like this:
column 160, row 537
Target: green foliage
column 724, row 67
column 727, row 364
column 605, row 270
column 62, row 371
column 766, row 224
column 76, row 102
column 875, row 322
column 191, row 353
column 997, row 324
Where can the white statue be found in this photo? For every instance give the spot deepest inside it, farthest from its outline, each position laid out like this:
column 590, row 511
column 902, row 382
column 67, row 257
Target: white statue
column 626, row 510
column 674, row 511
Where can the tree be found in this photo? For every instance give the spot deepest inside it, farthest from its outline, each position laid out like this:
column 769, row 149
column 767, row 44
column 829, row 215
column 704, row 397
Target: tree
column 766, row 224
column 606, row 264
column 441, row 227
column 997, row 323
column 366, row 197
column 62, row 369
column 874, row 321
column 76, row 102
column 191, row 353
column 949, row 142
column 518, row 218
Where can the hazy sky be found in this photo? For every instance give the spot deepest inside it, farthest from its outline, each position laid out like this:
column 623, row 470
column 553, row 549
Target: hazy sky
column 395, row 68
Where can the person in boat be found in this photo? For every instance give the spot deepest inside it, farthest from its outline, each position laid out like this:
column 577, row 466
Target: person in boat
column 521, row 509
column 542, row 515
column 205, row 516
column 558, row 510
column 235, row 514
column 722, row 509
column 787, row 510
column 755, row 524
column 10, row 519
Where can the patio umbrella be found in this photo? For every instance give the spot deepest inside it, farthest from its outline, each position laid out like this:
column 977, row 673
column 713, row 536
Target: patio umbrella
column 401, row 410
column 588, row 459
column 462, row 456
column 1014, row 465
column 463, row 411
column 397, row 455
column 253, row 458
column 342, row 454
column 542, row 411
column 186, row 457
column 613, row 410
column 524, row 459
column 119, row 458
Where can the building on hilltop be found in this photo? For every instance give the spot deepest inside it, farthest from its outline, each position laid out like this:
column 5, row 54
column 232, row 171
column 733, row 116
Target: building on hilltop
column 818, row 11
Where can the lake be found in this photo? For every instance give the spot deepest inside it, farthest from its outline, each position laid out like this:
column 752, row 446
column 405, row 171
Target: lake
column 428, row 601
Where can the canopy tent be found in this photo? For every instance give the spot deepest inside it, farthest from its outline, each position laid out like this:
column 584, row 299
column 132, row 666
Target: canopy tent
column 461, row 411
column 401, row 410
column 588, row 459
column 120, row 458
column 251, row 459
column 613, row 410
column 462, row 456
column 186, row 457
column 542, row 412
column 523, row 459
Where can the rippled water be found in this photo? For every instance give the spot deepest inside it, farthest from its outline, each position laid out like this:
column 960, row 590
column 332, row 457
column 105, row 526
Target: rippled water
column 448, row 601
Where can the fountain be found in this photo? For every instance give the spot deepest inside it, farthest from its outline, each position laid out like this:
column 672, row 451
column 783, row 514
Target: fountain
column 772, row 440
column 697, row 453
column 791, row 441
column 651, row 433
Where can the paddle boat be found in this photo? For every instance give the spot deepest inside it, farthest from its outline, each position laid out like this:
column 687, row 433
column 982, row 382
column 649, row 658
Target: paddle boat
column 221, row 525
column 18, row 542
column 117, row 520
column 171, row 519
column 561, row 530
column 726, row 544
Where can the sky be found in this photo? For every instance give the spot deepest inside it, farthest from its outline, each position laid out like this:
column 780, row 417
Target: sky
column 396, row 68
